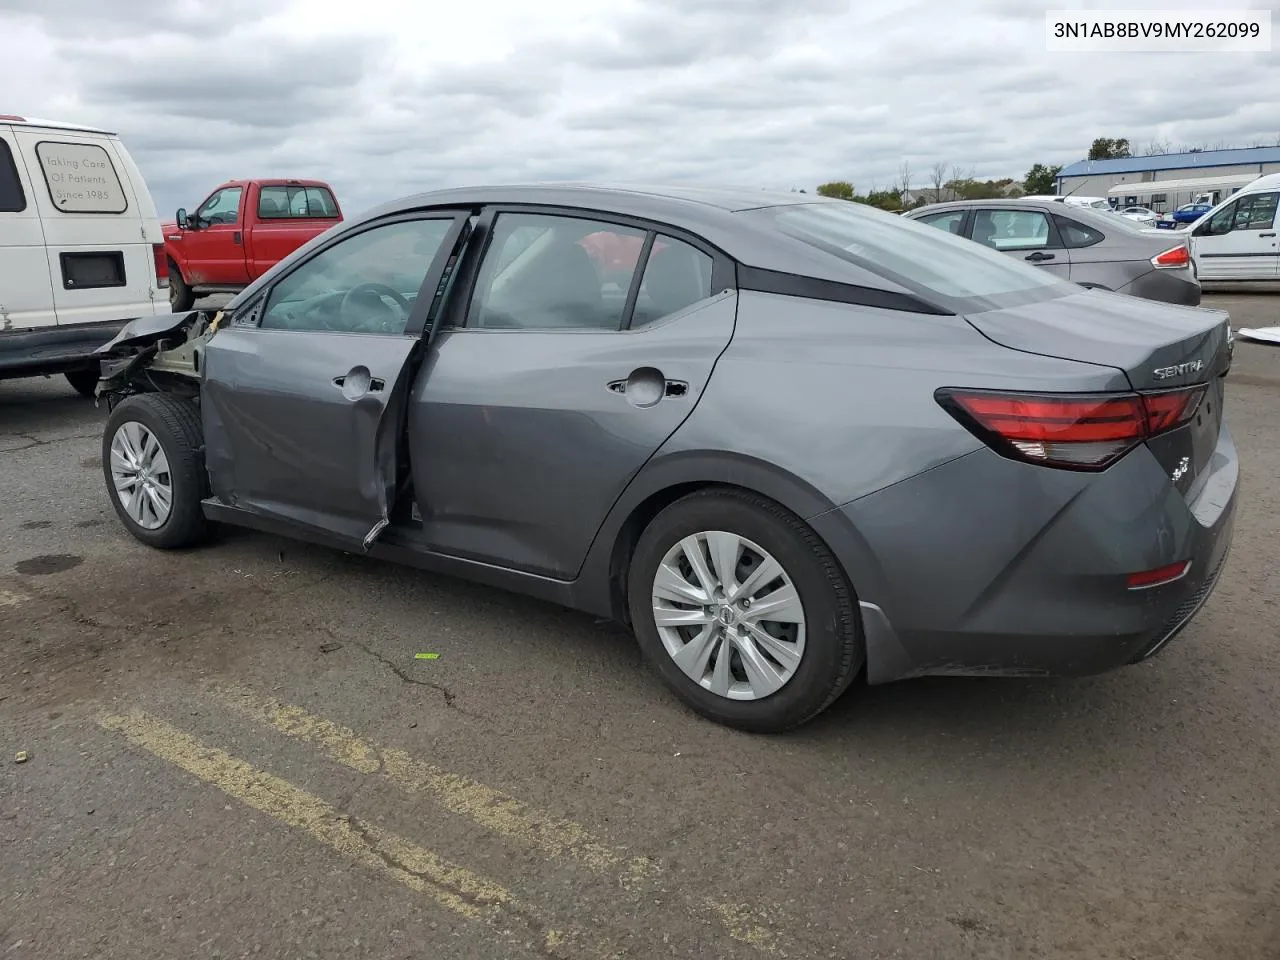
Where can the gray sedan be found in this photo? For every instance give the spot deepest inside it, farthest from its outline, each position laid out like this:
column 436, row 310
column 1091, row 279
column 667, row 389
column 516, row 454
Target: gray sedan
column 787, row 440
column 1089, row 247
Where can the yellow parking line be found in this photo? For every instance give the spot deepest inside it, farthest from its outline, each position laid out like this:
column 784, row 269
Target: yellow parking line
column 396, row 858
column 503, row 814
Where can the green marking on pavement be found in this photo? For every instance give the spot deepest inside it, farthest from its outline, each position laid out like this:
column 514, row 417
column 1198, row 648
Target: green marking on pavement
column 426, row 656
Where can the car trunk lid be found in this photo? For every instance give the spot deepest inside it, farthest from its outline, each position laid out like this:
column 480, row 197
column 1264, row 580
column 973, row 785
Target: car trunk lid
column 1160, row 348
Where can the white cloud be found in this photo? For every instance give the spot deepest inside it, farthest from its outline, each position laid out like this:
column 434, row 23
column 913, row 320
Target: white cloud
column 389, row 97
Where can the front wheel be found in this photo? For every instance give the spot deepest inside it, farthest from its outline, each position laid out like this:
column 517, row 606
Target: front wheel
column 743, row 611
column 152, row 458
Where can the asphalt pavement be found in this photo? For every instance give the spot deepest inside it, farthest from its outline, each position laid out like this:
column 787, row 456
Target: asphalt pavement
column 235, row 751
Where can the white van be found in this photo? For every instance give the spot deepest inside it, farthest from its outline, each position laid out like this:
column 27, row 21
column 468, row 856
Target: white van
column 81, row 251
column 1238, row 239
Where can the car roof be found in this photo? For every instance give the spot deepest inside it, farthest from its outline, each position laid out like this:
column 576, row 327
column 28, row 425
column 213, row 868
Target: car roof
column 660, row 200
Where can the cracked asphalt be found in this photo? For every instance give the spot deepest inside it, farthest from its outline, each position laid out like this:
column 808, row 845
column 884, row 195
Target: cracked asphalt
column 233, row 752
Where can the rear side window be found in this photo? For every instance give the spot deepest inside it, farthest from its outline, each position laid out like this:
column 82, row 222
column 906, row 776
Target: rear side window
column 677, row 275
column 948, row 271
column 81, row 177
column 289, row 202
column 12, row 199
column 1012, row 229
column 1076, row 234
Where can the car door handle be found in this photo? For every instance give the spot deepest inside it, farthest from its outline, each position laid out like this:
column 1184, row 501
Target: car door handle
column 646, row 386
column 1037, row 256
column 374, row 385
column 235, row 237
column 1271, row 234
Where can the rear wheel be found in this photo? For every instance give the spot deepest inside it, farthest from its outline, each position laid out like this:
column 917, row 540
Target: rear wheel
column 181, row 297
column 153, row 462
column 743, row 611
column 84, row 382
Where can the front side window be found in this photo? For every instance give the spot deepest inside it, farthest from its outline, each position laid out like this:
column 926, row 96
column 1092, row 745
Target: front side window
column 366, row 283
column 949, row 271
column 1011, row 229
column 543, row 272
column 676, row 276
column 951, row 221
column 12, row 199
column 221, row 208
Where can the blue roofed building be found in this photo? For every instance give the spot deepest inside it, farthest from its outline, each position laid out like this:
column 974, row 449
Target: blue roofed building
column 1165, row 181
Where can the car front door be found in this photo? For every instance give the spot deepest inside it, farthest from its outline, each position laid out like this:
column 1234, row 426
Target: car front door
column 1239, row 242
column 304, row 387
column 582, row 346
column 1028, row 235
column 215, row 249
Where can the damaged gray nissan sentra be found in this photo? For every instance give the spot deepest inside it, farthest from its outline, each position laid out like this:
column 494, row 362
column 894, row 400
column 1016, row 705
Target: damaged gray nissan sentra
column 785, row 439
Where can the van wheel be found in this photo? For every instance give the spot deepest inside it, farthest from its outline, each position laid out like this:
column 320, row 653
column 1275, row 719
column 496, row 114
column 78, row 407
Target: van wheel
column 181, row 297
column 84, row 382
column 153, row 461
column 743, row 611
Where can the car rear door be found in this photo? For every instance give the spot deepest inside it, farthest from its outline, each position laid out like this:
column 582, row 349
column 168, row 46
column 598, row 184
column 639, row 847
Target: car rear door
column 26, row 298
column 1239, row 242
column 584, row 343
column 1025, row 234
column 98, row 244
column 304, row 388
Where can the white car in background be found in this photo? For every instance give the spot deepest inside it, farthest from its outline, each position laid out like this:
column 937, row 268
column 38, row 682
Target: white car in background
column 1239, row 239
column 1143, row 215
column 81, row 251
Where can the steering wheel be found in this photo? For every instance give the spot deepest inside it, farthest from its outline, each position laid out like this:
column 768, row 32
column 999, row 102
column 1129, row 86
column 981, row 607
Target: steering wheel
column 379, row 290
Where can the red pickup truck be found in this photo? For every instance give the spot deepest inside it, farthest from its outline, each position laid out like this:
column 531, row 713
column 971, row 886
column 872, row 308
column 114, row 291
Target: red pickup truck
column 241, row 230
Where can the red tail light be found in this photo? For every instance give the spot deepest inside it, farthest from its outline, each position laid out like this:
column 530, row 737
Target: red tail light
column 11, row 116
column 1074, row 431
column 162, row 264
column 1174, row 258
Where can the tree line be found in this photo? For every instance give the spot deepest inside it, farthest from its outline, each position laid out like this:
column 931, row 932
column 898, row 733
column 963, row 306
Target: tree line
column 944, row 181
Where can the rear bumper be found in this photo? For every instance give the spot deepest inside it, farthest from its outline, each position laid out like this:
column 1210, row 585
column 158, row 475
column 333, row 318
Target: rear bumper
column 53, row 349
column 1166, row 286
column 985, row 567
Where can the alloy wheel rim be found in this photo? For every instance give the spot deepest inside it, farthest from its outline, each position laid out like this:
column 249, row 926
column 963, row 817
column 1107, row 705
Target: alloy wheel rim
column 141, row 476
column 729, row 615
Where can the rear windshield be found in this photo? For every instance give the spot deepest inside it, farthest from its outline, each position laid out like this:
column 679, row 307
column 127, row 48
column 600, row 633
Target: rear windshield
column 81, row 177
column 954, row 273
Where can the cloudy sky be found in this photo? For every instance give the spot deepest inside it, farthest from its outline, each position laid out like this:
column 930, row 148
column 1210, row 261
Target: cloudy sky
column 388, row 97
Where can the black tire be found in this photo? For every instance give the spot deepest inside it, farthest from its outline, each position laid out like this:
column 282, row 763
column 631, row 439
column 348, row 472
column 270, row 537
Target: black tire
column 84, row 382
column 176, row 425
column 834, row 650
column 181, row 297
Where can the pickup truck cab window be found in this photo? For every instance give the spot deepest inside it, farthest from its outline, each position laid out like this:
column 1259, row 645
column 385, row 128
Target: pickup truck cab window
column 289, row 202
column 366, row 283
column 222, row 208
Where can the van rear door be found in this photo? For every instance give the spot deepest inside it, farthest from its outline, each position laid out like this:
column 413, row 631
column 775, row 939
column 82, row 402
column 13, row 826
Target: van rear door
column 98, row 231
column 26, row 296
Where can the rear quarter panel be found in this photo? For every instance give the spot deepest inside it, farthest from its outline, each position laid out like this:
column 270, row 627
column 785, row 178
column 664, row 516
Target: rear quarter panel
column 841, row 397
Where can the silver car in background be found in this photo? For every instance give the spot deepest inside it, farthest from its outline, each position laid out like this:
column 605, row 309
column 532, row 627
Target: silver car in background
column 1096, row 249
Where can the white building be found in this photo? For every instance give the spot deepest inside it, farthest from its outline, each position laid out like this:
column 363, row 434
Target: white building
column 1224, row 169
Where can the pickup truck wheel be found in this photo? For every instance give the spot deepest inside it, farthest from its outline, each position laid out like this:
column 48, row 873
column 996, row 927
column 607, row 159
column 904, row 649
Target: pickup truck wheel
column 181, row 297
column 153, row 461
column 84, row 382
